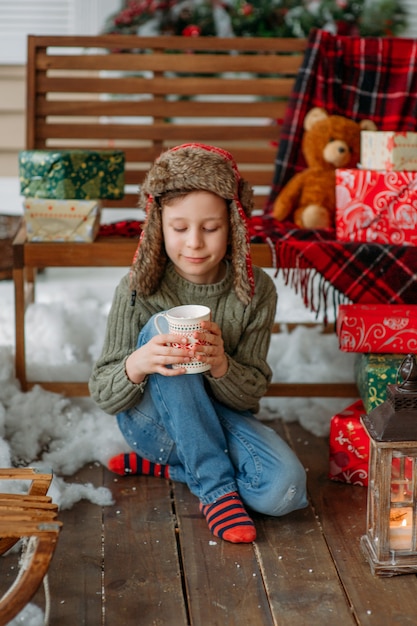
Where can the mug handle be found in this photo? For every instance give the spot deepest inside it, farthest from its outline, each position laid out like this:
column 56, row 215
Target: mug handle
column 158, row 328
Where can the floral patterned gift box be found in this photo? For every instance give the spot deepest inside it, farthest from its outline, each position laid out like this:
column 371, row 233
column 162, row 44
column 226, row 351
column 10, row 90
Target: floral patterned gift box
column 72, row 174
column 376, row 207
column 61, row 220
column 377, row 328
column 349, row 446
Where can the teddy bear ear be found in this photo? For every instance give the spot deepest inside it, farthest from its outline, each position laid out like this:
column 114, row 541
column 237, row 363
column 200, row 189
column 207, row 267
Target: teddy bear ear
column 367, row 125
column 315, row 114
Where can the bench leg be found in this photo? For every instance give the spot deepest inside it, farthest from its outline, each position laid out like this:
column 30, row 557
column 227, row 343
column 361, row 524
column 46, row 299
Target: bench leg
column 24, row 293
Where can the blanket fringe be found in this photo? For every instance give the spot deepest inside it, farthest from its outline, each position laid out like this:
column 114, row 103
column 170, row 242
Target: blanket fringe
column 317, row 293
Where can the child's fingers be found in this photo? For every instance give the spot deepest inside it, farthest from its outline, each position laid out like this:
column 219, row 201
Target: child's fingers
column 170, row 339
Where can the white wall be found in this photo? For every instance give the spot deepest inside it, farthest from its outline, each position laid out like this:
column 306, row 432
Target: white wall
column 18, row 18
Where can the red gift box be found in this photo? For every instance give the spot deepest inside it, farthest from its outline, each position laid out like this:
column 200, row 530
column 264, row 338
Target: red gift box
column 376, row 207
column 349, row 446
column 377, row 328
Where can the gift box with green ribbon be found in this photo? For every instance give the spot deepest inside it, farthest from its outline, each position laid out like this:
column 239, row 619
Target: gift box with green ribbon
column 373, row 372
column 72, row 174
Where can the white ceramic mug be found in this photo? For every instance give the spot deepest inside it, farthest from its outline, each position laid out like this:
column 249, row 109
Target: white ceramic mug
column 184, row 321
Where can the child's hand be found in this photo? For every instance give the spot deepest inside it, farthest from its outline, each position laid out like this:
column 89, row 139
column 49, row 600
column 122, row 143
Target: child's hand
column 154, row 356
column 212, row 351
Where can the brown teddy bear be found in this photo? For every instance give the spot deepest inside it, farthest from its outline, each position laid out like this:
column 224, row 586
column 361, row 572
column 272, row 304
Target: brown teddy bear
column 329, row 142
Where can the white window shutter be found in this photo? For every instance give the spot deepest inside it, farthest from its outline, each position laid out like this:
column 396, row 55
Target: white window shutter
column 19, row 18
column 411, row 7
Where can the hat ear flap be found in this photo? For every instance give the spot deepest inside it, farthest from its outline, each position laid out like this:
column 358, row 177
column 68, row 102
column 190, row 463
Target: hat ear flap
column 245, row 194
column 240, row 255
column 150, row 258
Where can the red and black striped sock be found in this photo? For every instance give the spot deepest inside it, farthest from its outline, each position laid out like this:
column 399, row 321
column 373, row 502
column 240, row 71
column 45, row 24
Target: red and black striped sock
column 134, row 465
column 228, row 519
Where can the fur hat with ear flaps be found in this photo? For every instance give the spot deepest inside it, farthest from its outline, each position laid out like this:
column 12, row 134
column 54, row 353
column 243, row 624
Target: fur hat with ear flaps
column 186, row 168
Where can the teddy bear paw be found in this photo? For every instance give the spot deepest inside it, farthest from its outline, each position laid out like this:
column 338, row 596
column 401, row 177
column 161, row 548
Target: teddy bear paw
column 315, row 216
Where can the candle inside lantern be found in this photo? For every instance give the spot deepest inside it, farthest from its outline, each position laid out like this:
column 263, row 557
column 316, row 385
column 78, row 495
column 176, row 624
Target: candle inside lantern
column 401, row 529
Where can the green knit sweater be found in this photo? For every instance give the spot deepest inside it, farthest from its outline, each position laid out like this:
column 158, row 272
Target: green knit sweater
column 246, row 332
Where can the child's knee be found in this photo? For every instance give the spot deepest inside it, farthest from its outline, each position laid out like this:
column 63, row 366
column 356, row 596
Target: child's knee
column 148, row 331
column 282, row 494
column 294, row 497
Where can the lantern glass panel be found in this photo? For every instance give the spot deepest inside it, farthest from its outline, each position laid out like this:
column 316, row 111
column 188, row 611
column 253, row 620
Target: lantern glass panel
column 402, row 506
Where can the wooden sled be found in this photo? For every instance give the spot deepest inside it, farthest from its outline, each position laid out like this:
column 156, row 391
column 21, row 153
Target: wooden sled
column 31, row 517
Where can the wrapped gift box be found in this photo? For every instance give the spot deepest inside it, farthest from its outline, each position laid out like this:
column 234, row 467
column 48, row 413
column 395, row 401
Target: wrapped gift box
column 377, row 207
column 389, row 150
column 373, row 372
column 349, row 446
column 377, row 328
column 72, row 174
column 61, row 220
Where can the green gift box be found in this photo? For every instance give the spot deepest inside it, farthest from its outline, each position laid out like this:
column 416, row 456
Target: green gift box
column 373, row 372
column 72, row 174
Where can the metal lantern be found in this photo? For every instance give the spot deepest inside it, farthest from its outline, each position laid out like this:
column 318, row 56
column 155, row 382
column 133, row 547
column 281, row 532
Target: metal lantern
column 390, row 543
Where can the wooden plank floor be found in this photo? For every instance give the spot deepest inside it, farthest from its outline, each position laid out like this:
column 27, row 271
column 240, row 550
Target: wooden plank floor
column 150, row 560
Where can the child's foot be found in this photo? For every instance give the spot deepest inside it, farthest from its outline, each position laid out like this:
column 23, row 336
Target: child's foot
column 133, row 464
column 228, row 519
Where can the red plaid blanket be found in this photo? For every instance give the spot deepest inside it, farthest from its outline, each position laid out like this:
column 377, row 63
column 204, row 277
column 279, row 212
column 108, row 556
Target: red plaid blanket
column 360, row 78
column 322, row 268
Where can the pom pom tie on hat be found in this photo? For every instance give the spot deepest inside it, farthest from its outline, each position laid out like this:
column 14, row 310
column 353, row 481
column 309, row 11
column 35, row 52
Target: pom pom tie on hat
column 186, row 168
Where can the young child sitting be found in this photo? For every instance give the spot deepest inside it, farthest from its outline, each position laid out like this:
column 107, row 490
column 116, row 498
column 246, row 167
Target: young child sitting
column 198, row 428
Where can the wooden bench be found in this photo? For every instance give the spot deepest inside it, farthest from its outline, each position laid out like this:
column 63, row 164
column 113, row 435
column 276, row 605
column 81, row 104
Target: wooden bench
column 143, row 95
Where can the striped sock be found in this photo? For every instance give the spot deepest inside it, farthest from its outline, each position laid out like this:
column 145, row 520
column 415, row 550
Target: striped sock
column 228, row 519
column 133, row 464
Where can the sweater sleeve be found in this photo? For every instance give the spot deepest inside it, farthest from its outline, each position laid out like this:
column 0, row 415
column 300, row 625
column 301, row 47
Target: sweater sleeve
column 249, row 374
column 109, row 385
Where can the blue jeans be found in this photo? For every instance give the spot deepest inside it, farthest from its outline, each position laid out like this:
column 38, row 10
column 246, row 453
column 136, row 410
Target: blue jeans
column 212, row 448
